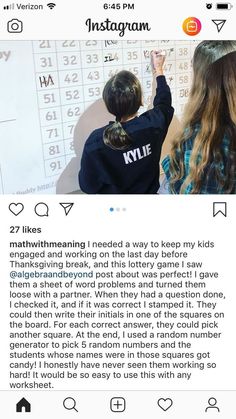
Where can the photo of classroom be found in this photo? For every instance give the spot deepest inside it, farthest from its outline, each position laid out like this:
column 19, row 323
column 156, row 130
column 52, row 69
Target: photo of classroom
column 118, row 117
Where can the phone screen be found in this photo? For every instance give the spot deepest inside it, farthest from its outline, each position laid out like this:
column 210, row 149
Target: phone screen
column 117, row 183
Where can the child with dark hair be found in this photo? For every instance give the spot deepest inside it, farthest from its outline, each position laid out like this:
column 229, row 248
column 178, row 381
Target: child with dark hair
column 123, row 157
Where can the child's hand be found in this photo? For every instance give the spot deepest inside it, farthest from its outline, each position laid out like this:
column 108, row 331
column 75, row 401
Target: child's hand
column 157, row 60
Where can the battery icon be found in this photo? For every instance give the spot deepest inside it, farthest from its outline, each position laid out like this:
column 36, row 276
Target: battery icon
column 224, row 6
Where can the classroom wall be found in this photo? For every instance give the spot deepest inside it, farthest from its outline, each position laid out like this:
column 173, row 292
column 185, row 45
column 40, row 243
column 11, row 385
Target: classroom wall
column 50, row 101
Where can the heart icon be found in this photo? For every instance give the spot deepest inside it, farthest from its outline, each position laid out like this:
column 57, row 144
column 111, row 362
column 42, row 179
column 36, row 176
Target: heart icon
column 165, row 404
column 16, row 209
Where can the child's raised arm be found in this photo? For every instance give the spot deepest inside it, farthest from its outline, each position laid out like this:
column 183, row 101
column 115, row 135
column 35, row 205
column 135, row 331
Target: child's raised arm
column 157, row 61
column 161, row 114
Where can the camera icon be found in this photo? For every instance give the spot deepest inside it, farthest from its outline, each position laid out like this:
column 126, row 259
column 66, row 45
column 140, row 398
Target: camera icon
column 15, row 26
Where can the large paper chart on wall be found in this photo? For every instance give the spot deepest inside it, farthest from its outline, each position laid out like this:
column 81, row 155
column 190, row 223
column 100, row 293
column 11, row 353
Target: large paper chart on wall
column 50, row 100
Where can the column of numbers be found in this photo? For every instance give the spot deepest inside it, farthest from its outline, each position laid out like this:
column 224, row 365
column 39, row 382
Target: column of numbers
column 147, row 77
column 112, row 57
column 49, row 105
column 71, row 90
column 183, row 74
column 92, row 70
column 132, row 60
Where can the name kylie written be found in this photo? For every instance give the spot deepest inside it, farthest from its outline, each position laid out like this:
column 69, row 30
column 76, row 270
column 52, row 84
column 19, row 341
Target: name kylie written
column 137, row 154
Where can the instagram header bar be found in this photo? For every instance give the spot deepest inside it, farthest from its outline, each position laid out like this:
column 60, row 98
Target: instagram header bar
column 117, row 20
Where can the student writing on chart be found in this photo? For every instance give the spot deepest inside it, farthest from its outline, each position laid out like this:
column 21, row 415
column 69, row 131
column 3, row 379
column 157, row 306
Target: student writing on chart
column 123, row 157
column 203, row 156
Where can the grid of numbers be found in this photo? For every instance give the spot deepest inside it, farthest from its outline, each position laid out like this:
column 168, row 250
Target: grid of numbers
column 70, row 76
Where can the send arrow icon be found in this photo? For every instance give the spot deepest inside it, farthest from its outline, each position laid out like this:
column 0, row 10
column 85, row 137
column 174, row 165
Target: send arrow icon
column 67, row 206
column 219, row 23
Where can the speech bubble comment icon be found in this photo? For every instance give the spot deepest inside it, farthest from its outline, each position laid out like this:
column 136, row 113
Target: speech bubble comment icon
column 16, row 209
column 41, row 209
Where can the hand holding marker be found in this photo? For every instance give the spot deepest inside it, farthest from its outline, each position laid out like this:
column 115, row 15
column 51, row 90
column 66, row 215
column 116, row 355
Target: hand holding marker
column 157, row 60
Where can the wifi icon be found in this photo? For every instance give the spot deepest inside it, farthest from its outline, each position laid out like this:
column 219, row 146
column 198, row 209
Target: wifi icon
column 51, row 5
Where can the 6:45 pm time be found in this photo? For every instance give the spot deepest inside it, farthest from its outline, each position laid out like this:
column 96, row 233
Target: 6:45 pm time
column 118, row 6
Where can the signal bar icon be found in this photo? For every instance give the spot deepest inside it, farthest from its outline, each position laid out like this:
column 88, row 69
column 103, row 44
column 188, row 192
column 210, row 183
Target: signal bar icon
column 51, row 5
column 9, row 7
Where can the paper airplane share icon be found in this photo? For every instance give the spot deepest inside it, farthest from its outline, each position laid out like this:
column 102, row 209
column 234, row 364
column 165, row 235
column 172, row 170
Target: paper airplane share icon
column 67, row 206
column 219, row 23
